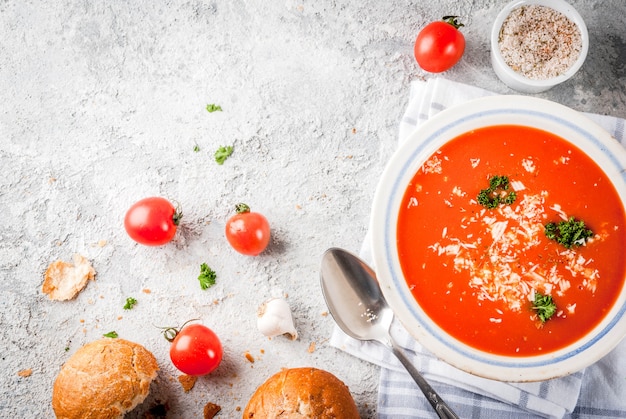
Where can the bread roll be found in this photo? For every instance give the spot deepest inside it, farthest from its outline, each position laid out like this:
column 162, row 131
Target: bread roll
column 104, row 379
column 302, row 393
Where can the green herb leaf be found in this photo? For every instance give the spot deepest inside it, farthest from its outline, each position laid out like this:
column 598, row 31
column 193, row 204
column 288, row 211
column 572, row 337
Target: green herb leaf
column 545, row 306
column 568, row 233
column 207, row 276
column 196, row 148
column 130, row 303
column 495, row 194
column 213, row 107
column 223, row 153
column 112, row 334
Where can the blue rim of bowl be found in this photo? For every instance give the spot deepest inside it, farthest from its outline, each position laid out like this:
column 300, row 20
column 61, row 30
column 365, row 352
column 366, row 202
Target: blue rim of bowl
column 398, row 189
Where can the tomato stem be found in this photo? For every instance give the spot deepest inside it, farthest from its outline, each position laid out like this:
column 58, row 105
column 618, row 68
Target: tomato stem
column 170, row 333
column 242, row 208
column 178, row 214
column 452, row 20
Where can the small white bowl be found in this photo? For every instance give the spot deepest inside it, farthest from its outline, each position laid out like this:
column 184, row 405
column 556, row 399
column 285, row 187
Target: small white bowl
column 516, row 80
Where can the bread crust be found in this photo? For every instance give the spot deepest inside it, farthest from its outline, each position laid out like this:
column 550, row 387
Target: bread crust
column 63, row 280
column 104, row 379
column 298, row 393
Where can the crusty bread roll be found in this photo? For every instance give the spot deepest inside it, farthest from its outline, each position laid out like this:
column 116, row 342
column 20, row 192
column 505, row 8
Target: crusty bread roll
column 104, row 379
column 302, row 393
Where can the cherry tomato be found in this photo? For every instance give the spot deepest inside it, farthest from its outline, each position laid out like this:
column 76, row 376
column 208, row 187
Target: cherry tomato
column 248, row 232
column 439, row 45
column 152, row 221
column 195, row 350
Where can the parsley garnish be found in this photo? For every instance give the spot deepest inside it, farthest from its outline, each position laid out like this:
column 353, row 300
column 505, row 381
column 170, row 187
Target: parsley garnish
column 213, row 107
column 494, row 195
column 545, row 306
column 223, row 153
column 196, row 148
column 130, row 303
column 207, row 276
column 112, row 334
column 568, row 233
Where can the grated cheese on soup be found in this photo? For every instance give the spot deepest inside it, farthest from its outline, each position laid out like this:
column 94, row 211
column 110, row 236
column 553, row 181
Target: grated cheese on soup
column 498, row 270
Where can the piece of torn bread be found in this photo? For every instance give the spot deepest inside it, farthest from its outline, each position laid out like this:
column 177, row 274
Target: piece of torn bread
column 64, row 280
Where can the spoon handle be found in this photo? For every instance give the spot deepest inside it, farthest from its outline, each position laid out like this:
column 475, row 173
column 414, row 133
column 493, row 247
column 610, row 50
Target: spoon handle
column 442, row 409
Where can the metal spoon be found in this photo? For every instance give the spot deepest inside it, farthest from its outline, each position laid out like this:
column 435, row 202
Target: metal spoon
column 358, row 306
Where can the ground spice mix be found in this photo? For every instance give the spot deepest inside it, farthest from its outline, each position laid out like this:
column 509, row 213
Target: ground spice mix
column 539, row 42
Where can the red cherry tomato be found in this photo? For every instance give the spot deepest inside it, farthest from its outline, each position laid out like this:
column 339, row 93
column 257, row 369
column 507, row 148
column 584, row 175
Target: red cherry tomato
column 439, row 45
column 152, row 221
column 195, row 350
column 248, row 232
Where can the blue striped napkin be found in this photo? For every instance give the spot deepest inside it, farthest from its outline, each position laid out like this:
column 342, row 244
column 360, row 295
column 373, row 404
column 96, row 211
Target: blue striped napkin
column 597, row 392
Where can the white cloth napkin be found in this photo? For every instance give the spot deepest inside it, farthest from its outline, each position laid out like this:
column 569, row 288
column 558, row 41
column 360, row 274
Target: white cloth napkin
column 601, row 387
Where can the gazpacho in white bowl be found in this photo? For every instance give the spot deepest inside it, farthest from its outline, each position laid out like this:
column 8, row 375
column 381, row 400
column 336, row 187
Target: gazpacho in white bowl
column 499, row 238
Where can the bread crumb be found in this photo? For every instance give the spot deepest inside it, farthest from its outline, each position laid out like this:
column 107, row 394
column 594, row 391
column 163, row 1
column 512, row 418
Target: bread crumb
column 238, row 408
column 64, row 280
column 311, row 347
column 262, row 351
column 146, row 291
column 324, row 313
column 25, row 373
column 210, row 410
column 187, row 381
column 249, row 357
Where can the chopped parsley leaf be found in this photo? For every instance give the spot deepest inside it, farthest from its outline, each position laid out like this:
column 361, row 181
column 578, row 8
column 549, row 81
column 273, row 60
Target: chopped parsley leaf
column 495, row 194
column 207, row 276
column 223, row 153
column 130, row 303
column 545, row 306
column 213, row 108
column 196, row 148
column 568, row 233
column 112, row 334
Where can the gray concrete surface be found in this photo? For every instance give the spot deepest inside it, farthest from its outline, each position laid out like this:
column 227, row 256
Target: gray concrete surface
column 103, row 103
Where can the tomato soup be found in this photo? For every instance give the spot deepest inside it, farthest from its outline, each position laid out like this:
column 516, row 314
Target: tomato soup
column 476, row 270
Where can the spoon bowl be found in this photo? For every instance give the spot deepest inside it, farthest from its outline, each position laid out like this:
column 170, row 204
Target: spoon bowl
column 359, row 308
column 355, row 302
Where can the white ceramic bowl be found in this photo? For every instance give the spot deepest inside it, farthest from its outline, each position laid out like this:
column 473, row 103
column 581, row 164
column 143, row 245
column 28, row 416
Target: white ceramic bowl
column 516, row 80
column 429, row 137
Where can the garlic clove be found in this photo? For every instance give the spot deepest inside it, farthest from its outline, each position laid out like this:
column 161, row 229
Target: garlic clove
column 274, row 319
